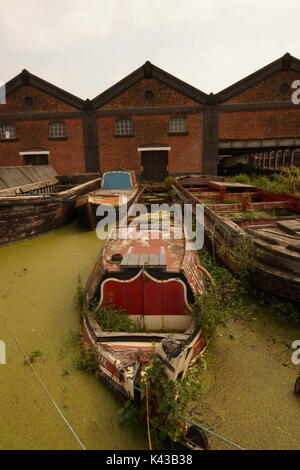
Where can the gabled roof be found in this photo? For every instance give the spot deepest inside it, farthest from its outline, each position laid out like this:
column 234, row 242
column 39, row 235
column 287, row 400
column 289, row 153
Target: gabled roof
column 149, row 70
column 286, row 62
column 27, row 78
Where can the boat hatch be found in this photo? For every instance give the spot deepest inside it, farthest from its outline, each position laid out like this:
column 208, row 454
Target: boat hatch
column 142, row 259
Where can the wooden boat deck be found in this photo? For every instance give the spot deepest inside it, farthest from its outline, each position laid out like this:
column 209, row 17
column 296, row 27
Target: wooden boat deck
column 270, row 221
column 277, row 241
column 153, row 247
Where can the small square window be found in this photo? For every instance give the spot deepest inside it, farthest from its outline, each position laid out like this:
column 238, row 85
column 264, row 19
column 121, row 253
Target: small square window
column 124, row 127
column 7, row 132
column 57, row 129
column 178, row 125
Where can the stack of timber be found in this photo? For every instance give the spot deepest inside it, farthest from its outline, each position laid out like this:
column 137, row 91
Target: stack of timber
column 34, row 200
column 271, row 221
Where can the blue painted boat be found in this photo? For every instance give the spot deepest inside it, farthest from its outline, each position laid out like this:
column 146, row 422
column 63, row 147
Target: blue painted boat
column 116, row 187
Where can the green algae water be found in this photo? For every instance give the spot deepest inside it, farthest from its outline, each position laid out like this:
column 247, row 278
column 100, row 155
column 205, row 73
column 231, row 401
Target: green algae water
column 37, row 285
column 247, row 391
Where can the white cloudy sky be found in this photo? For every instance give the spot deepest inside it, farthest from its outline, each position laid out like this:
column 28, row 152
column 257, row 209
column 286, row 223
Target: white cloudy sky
column 85, row 46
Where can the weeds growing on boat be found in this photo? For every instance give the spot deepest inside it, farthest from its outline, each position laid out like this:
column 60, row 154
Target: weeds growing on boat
column 112, row 319
column 79, row 295
column 287, row 181
column 217, row 303
column 243, row 255
column 88, row 359
column 224, row 200
column 108, row 317
column 169, row 181
column 167, row 401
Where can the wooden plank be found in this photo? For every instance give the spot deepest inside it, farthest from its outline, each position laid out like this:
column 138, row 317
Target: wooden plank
column 144, row 259
column 124, row 261
column 162, row 257
column 290, row 226
column 133, row 259
column 154, row 259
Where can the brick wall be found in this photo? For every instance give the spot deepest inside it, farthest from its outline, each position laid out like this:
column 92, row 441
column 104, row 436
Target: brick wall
column 42, row 102
column 268, row 90
column 163, row 95
column 186, row 150
column 259, row 123
column 121, row 152
column 263, row 123
column 32, row 133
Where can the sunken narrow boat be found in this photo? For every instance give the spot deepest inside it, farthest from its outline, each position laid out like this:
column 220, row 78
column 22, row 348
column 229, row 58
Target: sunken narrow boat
column 35, row 200
column 154, row 279
column 234, row 211
column 118, row 189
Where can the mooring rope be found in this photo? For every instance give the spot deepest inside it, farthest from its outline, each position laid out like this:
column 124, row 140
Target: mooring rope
column 148, row 418
column 43, row 385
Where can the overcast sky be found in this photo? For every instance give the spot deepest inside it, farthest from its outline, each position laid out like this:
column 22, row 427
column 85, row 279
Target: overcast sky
column 85, row 46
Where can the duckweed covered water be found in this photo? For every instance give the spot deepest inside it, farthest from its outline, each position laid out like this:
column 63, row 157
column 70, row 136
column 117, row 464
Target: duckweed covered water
column 37, row 285
column 247, row 392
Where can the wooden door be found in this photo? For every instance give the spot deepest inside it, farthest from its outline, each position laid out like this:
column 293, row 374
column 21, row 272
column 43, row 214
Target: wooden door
column 155, row 165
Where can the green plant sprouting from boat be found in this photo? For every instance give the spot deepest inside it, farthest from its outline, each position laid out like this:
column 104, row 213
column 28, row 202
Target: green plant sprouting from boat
column 286, row 181
column 113, row 319
column 168, row 401
column 217, row 303
column 79, row 295
column 88, row 360
column 108, row 316
column 243, row 256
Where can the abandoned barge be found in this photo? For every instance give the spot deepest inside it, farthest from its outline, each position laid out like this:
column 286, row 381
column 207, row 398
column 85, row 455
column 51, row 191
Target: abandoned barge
column 118, row 189
column 235, row 211
column 154, row 279
column 35, row 200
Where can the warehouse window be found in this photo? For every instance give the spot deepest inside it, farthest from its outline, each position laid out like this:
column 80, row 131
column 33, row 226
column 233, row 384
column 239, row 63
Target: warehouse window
column 7, row 132
column 33, row 159
column 124, row 126
column 57, row 129
column 178, row 125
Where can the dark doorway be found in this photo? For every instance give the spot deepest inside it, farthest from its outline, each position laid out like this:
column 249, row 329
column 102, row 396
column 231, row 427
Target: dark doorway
column 41, row 159
column 155, row 165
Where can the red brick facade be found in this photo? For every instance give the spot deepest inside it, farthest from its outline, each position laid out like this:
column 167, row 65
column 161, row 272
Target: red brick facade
column 259, row 124
column 185, row 154
column 66, row 154
column 257, row 107
column 279, row 121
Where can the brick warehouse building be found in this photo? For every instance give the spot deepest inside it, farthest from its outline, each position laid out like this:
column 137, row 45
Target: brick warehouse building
column 150, row 121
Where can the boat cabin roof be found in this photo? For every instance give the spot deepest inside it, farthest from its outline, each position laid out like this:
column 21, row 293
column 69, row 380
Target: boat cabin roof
column 153, row 248
column 16, row 176
column 118, row 180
